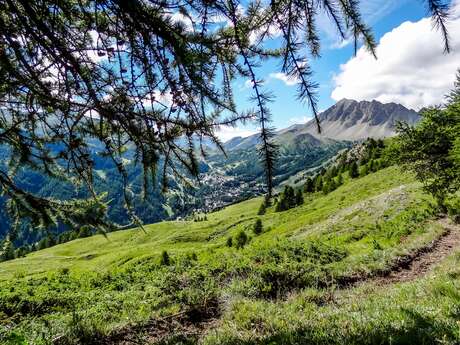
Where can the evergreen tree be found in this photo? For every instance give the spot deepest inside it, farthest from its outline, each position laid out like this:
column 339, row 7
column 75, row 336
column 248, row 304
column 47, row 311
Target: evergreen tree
column 290, row 197
column 241, row 239
column 165, row 260
column 427, row 150
column 354, row 171
column 364, row 170
column 339, row 180
column 258, row 227
column 262, row 209
column 333, row 172
column 318, row 183
column 299, row 198
column 281, row 205
column 43, row 243
column 268, row 201
column 454, row 95
column 309, row 186
column 7, row 250
column 20, row 252
column 329, row 186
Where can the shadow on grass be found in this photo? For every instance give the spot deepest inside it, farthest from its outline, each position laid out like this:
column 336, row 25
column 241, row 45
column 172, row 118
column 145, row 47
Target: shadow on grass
column 417, row 329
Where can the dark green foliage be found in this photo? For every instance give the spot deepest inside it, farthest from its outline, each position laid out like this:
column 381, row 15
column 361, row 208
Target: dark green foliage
column 454, row 95
column 364, row 170
column 318, row 183
column 229, row 242
column 262, row 209
column 455, row 153
column 241, row 239
column 376, row 245
column 372, row 160
column 288, row 199
column 299, row 197
column 21, row 252
column 428, row 149
column 452, row 204
column 7, row 251
column 165, row 260
column 85, row 231
column 309, row 186
column 258, row 227
column 339, row 179
column 329, row 186
column 353, row 170
column 43, row 243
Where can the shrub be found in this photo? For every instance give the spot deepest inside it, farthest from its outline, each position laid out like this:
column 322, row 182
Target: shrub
column 241, row 239
column 64, row 271
column 453, row 208
column 229, row 242
column 165, row 260
column 258, row 227
column 262, row 209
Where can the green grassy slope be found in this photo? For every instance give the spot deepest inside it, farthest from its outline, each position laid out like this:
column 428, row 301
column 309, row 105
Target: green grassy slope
column 274, row 290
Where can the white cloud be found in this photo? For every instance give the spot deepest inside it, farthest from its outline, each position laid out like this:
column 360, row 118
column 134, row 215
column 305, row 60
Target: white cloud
column 178, row 17
column 286, row 79
column 411, row 68
column 300, row 119
column 226, row 133
column 94, row 55
column 341, row 43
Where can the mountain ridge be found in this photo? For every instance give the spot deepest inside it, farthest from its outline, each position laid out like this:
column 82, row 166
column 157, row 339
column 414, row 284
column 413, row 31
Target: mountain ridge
column 348, row 120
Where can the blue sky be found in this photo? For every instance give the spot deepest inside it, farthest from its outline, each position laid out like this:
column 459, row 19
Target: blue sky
column 386, row 17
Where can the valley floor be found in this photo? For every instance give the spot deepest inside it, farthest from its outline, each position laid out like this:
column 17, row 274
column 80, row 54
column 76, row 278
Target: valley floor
column 370, row 263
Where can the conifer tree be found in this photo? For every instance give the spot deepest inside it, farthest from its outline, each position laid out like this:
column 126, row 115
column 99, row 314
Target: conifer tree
column 241, row 239
column 262, row 209
column 7, row 250
column 309, row 186
column 299, row 198
column 142, row 75
column 318, row 183
column 354, row 170
column 364, row 170
column 454, row 94
column 339, row 180
column 258, row 227
column 430, row 150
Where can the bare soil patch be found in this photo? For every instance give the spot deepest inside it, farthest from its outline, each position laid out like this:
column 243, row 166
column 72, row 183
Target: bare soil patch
column 424, row 260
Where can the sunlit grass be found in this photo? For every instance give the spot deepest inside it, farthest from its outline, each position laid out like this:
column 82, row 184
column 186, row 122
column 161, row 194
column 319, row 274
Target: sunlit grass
column 278, row 289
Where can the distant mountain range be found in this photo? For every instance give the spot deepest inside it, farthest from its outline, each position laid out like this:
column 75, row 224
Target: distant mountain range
column 236, row 176
column 346, row 120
